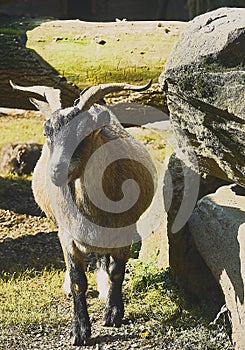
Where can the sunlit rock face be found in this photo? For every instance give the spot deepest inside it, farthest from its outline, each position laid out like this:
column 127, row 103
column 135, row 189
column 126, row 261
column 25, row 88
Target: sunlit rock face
column 204, row 82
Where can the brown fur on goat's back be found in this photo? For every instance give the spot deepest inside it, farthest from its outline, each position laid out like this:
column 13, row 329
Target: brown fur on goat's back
column 113, row 178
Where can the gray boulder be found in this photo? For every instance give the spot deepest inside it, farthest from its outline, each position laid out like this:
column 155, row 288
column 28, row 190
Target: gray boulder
column 204, row 80
column 19, row 158
column 218, row 229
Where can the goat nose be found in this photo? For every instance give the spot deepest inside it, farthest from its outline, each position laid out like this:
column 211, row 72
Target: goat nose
column 59, row 173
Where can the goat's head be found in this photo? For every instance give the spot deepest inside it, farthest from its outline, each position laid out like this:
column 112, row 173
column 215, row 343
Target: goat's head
column 66, row 128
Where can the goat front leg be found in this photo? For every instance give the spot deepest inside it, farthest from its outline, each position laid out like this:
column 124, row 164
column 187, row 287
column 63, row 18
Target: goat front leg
column 114, row 309
column 76, row 284
column 81, row 324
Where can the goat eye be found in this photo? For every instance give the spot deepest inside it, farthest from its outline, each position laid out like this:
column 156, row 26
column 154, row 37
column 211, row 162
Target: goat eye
column 48, row 130
column 76, row 102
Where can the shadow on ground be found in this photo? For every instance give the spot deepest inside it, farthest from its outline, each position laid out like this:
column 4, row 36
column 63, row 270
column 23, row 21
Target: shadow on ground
column 16, row 195
column 24, row 66
column 38, row 251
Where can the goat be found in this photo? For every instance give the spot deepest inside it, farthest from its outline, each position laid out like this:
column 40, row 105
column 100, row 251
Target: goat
column 81, row 142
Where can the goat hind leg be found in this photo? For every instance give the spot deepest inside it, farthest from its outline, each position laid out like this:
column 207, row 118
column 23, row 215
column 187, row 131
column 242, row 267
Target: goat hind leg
column 114, row 309
column 103, row 281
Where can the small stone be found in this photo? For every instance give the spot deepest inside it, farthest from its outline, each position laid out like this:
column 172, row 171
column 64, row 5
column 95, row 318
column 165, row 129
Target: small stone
column 100, row 41
column 79, row 36
column 57, row 38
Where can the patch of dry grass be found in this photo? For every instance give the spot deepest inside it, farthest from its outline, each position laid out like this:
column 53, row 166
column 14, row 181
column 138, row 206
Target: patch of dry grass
column 20, row 130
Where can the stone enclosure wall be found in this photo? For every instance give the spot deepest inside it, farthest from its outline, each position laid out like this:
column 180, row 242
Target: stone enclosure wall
column 104, row 10
column 107, row 10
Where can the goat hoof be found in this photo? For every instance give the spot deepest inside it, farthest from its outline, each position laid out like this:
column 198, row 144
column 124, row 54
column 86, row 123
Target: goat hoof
column 80, row 337
column 78, row 340
column 113, row 316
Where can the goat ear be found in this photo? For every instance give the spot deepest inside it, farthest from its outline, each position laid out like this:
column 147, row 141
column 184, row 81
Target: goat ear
column 102, row 120
column 43, row 107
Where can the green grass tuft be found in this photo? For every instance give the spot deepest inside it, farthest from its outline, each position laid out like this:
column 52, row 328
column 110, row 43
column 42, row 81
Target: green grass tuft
column 148, row 294
column 154, row 300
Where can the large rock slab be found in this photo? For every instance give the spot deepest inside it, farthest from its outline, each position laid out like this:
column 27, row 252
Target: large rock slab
column 72, row 54
column 204, row 82
column 218, row 228
column 181, row 192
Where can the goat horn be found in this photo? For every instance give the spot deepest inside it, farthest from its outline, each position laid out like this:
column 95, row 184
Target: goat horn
column 96, row 93
column 52, row 95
